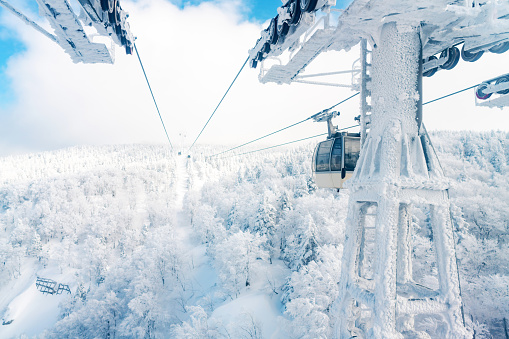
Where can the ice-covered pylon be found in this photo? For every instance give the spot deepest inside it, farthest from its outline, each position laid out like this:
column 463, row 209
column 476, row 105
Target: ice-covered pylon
column 396, row 173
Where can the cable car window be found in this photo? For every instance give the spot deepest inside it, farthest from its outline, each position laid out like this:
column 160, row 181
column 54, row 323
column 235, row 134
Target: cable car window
column 337, row 154
column 323, row 156
column 352, row 151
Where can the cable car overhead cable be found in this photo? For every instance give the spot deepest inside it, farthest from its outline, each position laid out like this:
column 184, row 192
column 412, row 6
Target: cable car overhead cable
column 152, row 93
column 282, row 129
column 250, row 142
column 339, row 103
column 286, row 143
column 450, row 94
column 214, row 112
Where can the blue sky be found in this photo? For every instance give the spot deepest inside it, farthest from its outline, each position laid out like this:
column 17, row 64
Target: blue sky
column 9, row 46
column 260, row 10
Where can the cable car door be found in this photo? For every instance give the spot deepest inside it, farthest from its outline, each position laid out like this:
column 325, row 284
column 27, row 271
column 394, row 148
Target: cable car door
column 321, row 164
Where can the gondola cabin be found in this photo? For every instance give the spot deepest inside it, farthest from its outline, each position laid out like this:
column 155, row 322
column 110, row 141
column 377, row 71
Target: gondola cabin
column 334, row 160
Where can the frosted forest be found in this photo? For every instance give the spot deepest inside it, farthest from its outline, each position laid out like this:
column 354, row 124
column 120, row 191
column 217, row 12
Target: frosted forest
column 155, row 245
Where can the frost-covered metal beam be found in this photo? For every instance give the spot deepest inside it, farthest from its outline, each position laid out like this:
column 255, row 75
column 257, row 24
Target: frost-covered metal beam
column 28, row 21
column 108, row 18
column 305, row 79
column 71, row 35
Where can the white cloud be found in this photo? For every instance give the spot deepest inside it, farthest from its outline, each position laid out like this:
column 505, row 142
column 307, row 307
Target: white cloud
column 191, row 55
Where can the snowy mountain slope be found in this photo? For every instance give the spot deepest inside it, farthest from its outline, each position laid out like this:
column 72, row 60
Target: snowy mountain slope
column 155, row 245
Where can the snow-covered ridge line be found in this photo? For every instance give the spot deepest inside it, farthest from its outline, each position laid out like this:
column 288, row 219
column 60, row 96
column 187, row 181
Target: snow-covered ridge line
column 80, row 159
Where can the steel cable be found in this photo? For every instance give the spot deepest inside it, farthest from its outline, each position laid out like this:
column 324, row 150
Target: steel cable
column 152, row 93
column 214, row 112
column 286, row 143
column 284, row 128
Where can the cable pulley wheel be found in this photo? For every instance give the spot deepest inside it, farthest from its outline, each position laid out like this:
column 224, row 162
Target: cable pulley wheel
column 295, row 12
column 479, row 92
column 111, row 5
column 118, row 21
column 432, row 71
column 500, row 48
column 265, row 49
column 273, row 30
column 469, row 56
column 111, row 12
column 282, row 31
column 500, row 81
column 453, row 54
column 104, row 5
column 308, row 5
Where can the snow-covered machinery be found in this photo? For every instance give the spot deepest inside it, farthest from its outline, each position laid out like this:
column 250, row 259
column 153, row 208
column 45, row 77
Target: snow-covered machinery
column 292, row 20
column 295, row 32
column 398, row 172
column 493, row 92
column 334, row 159
column 74, row 32
column 303, row 29
column 449, row 58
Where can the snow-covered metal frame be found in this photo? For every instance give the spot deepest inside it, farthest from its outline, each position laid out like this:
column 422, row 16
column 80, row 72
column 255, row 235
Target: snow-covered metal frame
column 298, row 46
column 50, row 286
column 477, row 25
column 106, row 16
column 46, row 285
column 365, row 92
column 301, row 45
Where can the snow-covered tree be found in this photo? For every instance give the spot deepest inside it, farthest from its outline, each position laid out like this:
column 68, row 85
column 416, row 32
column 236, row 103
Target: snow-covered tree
column 236, row 258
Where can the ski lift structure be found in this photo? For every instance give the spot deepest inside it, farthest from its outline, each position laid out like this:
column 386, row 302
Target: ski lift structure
column 48, row 286
column 397, row 171
column 334, row 159
column 76, row 32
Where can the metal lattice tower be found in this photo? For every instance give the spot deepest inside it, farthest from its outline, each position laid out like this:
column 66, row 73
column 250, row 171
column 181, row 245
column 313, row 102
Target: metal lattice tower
column 397, row 170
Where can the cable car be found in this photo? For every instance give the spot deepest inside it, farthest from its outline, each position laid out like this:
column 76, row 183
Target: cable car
column 334, row 160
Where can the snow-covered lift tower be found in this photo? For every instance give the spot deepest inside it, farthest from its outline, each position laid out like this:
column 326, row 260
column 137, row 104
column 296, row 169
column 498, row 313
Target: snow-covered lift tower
column 74, row 32
column 398, row 170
